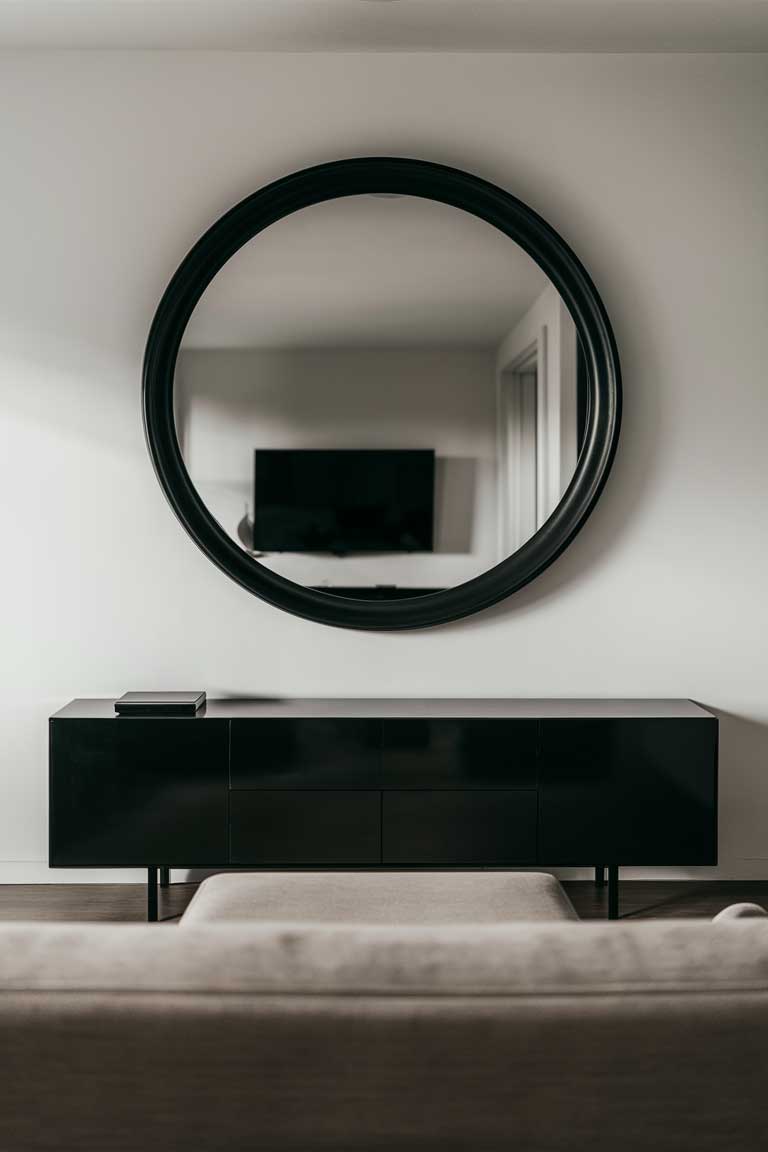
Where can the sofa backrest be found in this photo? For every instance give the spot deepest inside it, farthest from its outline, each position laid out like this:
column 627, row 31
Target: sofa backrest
column 275, row 1036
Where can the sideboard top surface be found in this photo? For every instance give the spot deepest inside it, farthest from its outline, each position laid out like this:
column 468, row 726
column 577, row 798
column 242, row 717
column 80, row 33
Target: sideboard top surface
column 522, row 709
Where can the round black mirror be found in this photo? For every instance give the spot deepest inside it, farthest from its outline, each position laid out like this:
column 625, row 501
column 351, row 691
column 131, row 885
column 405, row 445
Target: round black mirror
column 371, row 409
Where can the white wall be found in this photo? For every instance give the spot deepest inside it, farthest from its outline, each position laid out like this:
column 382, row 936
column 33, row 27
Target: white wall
column 236, row 400
column 653, row 168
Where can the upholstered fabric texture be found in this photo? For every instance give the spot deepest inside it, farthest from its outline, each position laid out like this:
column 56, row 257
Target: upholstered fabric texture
column 554, row 1037
column 381, row 897
column 519, row 959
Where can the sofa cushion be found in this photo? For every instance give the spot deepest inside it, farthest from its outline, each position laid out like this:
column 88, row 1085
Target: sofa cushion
column 380, row 898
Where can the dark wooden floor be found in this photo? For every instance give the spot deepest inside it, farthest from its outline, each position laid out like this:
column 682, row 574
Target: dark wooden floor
column 640, row 899
column 666, row 899
column 116, row 902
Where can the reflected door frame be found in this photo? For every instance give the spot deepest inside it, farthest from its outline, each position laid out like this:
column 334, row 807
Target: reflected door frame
column 522, row 414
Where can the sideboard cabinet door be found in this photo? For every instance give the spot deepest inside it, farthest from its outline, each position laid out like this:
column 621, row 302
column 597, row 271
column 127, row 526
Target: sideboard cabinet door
column 134, row 791
column 629, row 791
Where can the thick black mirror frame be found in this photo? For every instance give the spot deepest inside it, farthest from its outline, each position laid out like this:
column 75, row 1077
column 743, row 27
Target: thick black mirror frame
column 404, row 177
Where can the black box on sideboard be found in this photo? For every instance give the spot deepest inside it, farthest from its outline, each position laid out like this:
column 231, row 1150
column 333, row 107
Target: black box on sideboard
column 159, row 703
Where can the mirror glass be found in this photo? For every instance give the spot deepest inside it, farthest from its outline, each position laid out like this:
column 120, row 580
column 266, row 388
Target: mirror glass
column 380, row 397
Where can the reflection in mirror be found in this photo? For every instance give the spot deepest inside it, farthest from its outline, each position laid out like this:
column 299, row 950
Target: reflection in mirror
column 380, row 397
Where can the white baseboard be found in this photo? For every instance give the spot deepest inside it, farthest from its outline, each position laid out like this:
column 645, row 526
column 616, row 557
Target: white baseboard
column 38, row 872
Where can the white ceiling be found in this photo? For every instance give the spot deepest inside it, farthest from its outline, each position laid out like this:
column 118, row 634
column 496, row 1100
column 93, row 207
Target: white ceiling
column 389, row 25
column 367, row 272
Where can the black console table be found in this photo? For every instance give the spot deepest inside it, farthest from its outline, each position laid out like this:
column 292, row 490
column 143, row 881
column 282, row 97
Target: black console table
column 385, row 784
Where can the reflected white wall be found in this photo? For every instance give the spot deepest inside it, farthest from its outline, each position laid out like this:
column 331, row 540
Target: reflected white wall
column 233, row 401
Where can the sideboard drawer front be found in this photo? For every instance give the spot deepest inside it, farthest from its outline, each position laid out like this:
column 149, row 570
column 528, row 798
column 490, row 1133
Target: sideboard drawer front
column 299, row 753
column 459, row 753
column 459, row 827
column 305, row 827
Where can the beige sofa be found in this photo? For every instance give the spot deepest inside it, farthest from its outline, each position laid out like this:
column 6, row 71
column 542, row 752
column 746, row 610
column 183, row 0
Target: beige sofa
column 401, row 1032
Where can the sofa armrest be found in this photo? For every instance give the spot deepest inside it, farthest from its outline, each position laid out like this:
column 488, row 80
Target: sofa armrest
column 740, row 912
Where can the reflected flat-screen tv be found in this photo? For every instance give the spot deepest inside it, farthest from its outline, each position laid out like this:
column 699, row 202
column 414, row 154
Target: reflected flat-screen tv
column 342, row 501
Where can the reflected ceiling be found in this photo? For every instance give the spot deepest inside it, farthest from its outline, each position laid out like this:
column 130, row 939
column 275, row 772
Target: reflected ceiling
column 366, row 271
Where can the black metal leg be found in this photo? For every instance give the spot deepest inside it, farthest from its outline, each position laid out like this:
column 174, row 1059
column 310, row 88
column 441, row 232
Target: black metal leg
column 165, row 877
column 613, row 891
column 152, row 894
column 599, row 875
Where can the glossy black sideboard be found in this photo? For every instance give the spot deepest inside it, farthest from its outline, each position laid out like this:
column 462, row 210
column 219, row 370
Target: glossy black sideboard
column 386, row 783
